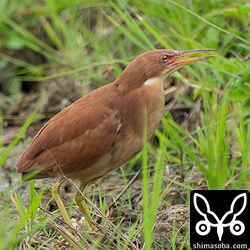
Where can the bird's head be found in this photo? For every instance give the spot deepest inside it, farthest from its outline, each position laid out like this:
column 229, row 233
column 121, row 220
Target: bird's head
column 157, row 63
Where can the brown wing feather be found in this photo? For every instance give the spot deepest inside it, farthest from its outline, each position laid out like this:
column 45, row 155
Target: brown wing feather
column 78, row 135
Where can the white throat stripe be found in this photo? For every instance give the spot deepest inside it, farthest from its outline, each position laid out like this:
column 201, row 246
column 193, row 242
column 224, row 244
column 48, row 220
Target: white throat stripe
column 150, row 81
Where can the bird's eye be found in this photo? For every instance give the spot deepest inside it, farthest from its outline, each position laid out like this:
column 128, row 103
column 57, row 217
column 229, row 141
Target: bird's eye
column 165, row 58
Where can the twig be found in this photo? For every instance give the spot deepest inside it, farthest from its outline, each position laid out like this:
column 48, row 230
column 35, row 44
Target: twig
column 124, row 190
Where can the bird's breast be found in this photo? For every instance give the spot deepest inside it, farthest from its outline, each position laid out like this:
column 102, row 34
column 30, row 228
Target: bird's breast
column 140, row 110
column 155, row 104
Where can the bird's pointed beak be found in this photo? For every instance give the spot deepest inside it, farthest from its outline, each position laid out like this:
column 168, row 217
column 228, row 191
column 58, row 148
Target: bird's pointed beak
column 176, row 63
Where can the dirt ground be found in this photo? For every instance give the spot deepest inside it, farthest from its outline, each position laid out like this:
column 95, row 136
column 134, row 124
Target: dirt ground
column 172, row 212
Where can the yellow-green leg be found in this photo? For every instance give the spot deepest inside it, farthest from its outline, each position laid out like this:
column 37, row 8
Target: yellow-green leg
column 58, row 200
column 80, row 203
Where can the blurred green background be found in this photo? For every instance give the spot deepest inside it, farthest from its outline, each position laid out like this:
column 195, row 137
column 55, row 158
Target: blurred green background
column 86, row 39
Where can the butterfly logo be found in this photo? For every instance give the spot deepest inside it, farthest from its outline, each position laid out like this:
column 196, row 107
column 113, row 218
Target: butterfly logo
column 210, row 219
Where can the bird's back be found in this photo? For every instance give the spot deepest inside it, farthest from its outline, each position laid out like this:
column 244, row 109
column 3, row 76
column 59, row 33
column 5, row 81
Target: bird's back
column 79, row 134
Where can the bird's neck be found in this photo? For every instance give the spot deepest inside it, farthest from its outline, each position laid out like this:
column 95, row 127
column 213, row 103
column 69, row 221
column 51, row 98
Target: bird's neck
column 131, row 78
column 142, row 107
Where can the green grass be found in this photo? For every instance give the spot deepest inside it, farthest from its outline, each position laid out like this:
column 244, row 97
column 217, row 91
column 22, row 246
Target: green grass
column 92, row 42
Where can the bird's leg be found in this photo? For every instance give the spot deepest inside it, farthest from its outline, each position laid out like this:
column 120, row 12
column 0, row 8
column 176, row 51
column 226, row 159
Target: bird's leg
column 81, row 204
column 58, row 200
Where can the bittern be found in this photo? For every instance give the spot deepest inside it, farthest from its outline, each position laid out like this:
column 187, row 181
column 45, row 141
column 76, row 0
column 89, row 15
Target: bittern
column 104, row 129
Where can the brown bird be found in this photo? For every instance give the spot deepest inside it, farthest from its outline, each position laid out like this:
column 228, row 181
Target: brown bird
column 104, row 129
